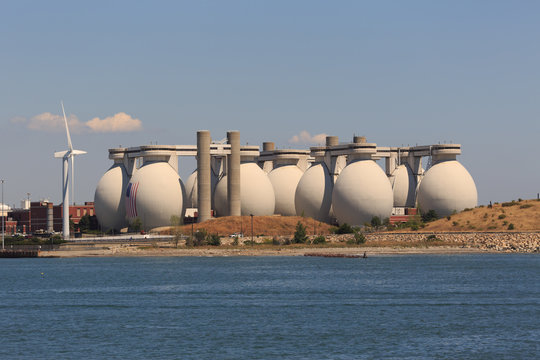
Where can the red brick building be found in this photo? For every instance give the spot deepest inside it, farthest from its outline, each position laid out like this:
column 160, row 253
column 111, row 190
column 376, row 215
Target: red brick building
column 42, row 215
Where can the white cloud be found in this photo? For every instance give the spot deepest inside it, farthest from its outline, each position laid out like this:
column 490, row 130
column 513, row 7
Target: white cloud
column 305, row 138
column 48, row 122
column 120, row 122
column 54, row 123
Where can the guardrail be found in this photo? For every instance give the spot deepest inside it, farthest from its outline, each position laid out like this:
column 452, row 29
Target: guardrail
column 121, row 238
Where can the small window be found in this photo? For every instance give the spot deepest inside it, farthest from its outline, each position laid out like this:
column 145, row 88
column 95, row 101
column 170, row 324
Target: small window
column 78, row 212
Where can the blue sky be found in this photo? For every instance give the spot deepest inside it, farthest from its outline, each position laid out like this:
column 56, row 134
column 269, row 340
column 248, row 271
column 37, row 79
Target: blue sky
column 397, row 72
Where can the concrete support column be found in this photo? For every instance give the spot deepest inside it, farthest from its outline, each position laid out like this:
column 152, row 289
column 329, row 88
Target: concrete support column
column 233, row 174
column 203, row 176
column 50, row 218
column 391, row 163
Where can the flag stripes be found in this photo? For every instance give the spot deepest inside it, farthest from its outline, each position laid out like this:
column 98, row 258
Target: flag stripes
column 131, row 200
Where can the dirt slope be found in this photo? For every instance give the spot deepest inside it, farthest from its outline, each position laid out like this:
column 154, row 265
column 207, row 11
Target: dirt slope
column 262, row 225
column 524, row 215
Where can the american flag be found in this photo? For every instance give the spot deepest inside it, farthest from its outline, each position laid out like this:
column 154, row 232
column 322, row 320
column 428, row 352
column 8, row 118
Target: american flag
column 131, row 200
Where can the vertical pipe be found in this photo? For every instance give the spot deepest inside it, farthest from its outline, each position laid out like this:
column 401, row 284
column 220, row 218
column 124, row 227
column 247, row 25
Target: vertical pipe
column 203, row 175
column 233, row 174
column 65, row 191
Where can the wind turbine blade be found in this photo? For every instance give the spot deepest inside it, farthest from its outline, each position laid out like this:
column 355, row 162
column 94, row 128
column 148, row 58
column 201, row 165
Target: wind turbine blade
column 67, row 128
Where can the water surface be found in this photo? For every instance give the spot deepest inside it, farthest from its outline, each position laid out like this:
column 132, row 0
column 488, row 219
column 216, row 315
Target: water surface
column 419, row 306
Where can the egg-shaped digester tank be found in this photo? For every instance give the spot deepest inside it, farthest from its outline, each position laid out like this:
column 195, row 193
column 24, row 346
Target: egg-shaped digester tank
column 191, row 189
column 154, row 194
column 404, row 185
column 447, row 187
column 256, row 192
column 284, row 180
column 361, row 192
column 313, row 195
column 109, row 198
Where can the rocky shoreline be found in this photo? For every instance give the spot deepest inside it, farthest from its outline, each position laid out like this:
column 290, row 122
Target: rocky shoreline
column 525, row 242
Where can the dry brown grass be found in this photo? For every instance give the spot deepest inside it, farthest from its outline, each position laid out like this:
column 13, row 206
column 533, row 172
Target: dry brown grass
column 525, row 215
column 262, row 225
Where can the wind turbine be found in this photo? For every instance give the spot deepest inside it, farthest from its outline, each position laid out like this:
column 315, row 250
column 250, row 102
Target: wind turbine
column 66, row 155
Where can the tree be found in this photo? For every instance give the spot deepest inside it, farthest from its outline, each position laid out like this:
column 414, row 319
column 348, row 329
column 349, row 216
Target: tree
column 300, row 236
column 136, row 224
column 84, row 223
column 176, row 231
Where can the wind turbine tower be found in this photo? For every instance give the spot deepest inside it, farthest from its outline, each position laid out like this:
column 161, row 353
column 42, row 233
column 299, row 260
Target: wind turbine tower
column 66, row 155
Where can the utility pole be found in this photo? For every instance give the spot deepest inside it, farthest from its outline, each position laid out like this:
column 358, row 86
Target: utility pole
column 3, row 213
column 252, row 230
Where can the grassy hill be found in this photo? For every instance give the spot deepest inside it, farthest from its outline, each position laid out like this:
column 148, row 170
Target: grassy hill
column 516, row 215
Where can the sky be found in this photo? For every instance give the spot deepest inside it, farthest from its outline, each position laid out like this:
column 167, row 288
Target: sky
column 398, row 72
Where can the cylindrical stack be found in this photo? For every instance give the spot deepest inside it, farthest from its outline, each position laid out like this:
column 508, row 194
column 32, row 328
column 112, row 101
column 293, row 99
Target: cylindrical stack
column 268, row 146
column 359, row 139
column 203, row 175
column 332, row 141
column 233, row 174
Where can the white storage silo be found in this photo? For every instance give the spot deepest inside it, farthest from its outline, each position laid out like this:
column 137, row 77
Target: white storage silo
column 256, row 192
column 404, row 185
column 284, row 180
column 447, row 186
column 155, row 192
column 362, row 190
column 313, row 195
column 109, row 194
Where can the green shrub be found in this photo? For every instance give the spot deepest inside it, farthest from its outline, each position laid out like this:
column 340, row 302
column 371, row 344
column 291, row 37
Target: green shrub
column 235, row 241
column 275, row 241
column 414, row 227
column 455, row 223
column 300, row 236
column 376, row 221
column 319, row 240
column 431, row 215
column 359, row 238
column 344, row 229
column 200, row 237
column 511, row 226
column 491, row 227
column 525, row 206
column 432, row 238
column 502, row 216
column 506, row 204
column 213, row 240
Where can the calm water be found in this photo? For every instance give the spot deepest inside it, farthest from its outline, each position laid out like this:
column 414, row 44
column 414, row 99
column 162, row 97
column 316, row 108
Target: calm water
column 459, row 306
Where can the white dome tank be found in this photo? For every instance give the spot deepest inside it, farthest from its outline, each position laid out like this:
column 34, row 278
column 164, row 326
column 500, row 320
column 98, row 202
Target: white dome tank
column 154, row 194
column 447, row 187
column 284, row 179
column 313, row 196
column 361, row 192
column 256, row 192
column 191, row 189
column 404, row 186
column 109, row 198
